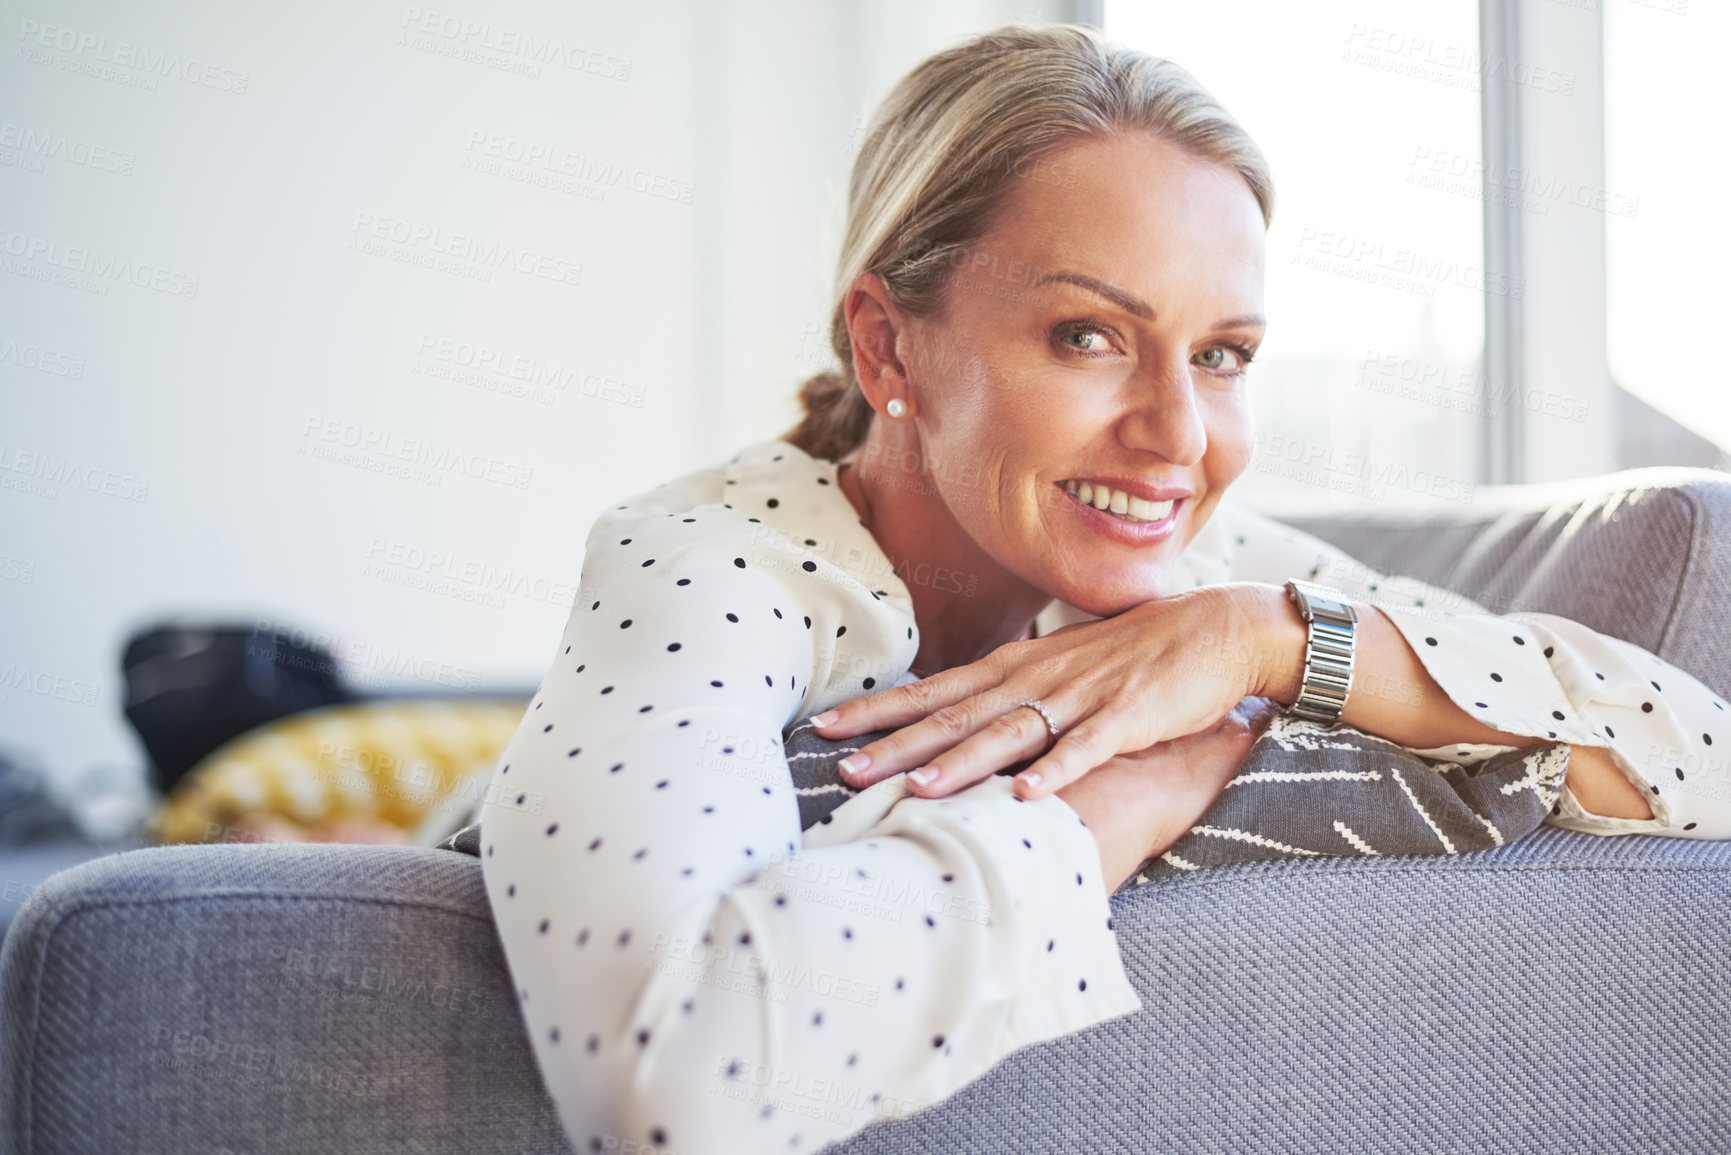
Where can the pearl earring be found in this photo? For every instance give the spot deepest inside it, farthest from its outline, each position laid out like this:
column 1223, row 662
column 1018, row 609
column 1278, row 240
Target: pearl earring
column 896, row 407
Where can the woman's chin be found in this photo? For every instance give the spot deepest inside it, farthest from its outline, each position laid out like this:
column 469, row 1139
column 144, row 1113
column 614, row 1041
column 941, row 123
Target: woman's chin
column 1105, row 594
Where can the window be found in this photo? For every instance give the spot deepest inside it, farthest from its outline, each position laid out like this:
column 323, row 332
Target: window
column 1668, row 236
column 1369, row 383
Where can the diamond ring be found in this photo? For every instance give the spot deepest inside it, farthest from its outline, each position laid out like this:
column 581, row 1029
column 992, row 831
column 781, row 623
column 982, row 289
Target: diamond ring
column 1040, row 707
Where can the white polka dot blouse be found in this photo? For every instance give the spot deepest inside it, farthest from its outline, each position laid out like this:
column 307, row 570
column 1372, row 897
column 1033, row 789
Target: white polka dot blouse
column 698, row 974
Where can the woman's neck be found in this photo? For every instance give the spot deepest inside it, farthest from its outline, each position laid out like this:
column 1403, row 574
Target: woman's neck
column 965, row 603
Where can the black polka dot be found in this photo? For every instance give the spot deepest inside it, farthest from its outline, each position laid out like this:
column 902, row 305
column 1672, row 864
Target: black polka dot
column 545, row 923
column 1549, row 651
column 808, row 622
column 683, row 582
column 1707, row 738
column 643, row 1036
column 808, row 566
column 606, row 689
column 1481, row 705
column 596, row 845
column 1688, row 826
column 1496, row 677
column 673, row 647
column 626, row 624
column 1646, row 707
column 616, row 768
column 1610, row 733
column 739, row 561
column 715, row 683
column 648, row 563
column 658, row 1137
column 1655, row 686
column 1082, row 984
column 840, row 630
column 937, row 1041
column 575, row 750
column 1680, row 774
column 1520, row 641
column 552, row 829
column 1430, row 641
column 733, row 617
column 869, row 683
column 1557, row 714
column 773, row 502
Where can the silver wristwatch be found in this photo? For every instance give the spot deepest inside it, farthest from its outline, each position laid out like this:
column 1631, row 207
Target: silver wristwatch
column 1331, row 621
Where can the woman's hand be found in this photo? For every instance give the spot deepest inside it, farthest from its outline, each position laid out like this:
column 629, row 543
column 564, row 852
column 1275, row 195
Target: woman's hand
column 1138, row 804
column 1157, row 671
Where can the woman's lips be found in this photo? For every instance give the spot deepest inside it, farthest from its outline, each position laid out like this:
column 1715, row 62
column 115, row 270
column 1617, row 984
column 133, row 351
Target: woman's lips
column 1121, row 529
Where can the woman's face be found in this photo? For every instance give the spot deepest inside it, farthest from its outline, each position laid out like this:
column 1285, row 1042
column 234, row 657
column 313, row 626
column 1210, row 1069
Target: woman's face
column 1095, row 340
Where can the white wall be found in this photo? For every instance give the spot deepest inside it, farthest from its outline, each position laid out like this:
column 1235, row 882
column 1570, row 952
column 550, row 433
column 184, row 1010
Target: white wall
column 230, row 232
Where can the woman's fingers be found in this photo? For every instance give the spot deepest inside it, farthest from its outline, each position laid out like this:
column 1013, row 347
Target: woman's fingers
column 901, row 705
column 1009, row 738
column 1089, row 743
column 911, row 747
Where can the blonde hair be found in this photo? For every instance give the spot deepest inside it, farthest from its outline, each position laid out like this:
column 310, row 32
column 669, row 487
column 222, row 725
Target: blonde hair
column 942, row 147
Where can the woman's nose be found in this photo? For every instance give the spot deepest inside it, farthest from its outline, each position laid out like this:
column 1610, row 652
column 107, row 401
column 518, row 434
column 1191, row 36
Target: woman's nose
column 1164, row 417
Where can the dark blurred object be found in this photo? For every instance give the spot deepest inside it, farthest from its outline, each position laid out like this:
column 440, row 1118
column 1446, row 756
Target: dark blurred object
column 192, row 687
column 28, row 814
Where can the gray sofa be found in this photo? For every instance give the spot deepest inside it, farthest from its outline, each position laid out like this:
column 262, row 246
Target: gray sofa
column 1565, row 993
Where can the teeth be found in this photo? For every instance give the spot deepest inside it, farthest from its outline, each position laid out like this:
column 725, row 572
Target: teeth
column 1118, row 502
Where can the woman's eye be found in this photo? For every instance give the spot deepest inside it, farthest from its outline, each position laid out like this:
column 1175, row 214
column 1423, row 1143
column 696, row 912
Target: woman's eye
column 1087, row 340
column 1217, row 359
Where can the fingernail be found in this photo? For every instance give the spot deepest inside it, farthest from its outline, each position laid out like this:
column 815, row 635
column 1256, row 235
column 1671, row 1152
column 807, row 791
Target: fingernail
column 854, row 763
column 1032, row 778
column 923, row 775
column 826, row 718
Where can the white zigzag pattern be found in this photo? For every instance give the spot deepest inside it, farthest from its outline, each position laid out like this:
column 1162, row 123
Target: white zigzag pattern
column 1544, row 776
column 1496, row 835
column 1179, row 862
column 1297, row 776
column 1441, row 837
column 1358, row 843
column 822, row 753
column 822, row 789
column 1245, row 836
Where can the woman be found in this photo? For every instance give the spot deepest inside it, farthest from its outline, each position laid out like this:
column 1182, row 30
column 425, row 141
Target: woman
column 1050, row 286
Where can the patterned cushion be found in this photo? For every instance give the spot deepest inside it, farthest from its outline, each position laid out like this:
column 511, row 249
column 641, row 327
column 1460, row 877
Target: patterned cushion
column 420, row 767
column 1304, row 792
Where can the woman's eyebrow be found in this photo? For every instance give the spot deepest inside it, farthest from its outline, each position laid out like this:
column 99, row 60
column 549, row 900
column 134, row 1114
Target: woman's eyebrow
column 1135, row 305
column 1128, row 302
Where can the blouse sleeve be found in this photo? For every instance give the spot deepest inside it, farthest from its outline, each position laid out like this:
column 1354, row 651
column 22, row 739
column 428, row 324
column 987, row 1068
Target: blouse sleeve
column 694, row 973
column 1534, row 674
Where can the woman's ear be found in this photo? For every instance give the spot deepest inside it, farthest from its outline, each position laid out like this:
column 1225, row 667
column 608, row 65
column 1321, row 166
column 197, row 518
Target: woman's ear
column 873, row 326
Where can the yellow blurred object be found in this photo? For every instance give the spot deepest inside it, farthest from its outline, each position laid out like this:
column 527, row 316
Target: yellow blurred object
column 354, row 772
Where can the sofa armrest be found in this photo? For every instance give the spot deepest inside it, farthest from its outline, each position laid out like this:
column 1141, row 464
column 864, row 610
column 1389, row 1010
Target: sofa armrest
column 1559, row 994
column 264, row 998
column 1643, row 555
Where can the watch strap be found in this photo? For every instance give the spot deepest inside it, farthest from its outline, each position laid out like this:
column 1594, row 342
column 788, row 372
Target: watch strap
column 1331, row 623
